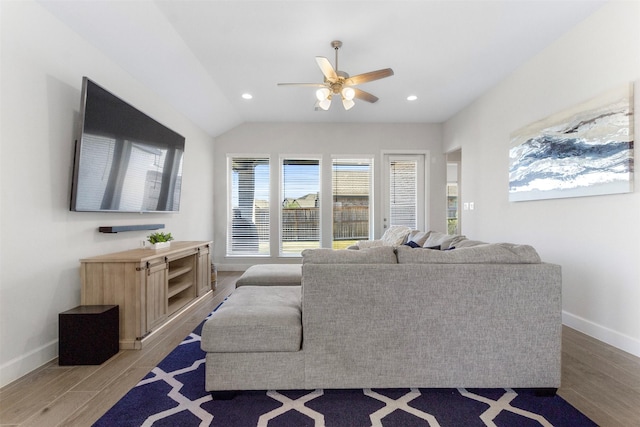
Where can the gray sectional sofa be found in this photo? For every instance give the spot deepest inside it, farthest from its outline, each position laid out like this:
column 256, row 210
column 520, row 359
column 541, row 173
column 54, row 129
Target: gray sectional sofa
column 478, row 316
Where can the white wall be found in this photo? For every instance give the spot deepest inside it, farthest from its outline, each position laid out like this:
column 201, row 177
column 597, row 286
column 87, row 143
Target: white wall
column 595, row 239
column 327, row 139
column 41, row 241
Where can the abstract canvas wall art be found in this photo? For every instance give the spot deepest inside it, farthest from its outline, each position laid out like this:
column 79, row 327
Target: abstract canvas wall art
column 584, row 151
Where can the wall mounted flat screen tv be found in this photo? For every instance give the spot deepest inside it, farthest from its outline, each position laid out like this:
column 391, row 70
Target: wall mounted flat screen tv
column 125, row 161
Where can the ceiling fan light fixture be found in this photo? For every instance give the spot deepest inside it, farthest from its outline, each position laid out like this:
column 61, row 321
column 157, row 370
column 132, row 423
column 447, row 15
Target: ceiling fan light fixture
column 348, row 93
column 323, row 94
column 347, row 103
column 325, row 104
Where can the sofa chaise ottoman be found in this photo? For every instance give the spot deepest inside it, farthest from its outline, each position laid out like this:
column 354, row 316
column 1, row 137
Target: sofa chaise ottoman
column 271, row 275
column 257, row 327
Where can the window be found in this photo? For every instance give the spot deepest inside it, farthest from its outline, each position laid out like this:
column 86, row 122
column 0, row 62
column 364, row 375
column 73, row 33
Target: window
column 294, row 219
column 300, row 210
column 248, row 215
column 351, row 196
column 452, row 208
column 405, row 190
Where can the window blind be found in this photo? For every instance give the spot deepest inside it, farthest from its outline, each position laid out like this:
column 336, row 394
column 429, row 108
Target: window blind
column 248, row 216
column 403, row 193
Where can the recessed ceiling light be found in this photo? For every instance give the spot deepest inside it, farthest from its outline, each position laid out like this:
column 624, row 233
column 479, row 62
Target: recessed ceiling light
column 412, row 98
column 247, row 96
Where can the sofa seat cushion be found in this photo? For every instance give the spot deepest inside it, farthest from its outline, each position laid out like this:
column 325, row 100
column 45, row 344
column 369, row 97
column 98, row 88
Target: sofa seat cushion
column 495, row 253
column 271, row 275
column 256, row 319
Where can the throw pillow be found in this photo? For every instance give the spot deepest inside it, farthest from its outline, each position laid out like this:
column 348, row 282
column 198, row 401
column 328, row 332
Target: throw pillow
column 418, row 237
column 412, row 244
column 451, row 241
column 395, row 235
column 434, row 239
column 445, row 241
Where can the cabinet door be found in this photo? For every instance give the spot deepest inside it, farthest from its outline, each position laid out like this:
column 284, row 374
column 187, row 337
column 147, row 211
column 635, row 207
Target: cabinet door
column 204, row 271
column 156, row 294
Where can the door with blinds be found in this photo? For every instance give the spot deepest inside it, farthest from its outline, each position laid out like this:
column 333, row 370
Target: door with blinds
column 404, row 191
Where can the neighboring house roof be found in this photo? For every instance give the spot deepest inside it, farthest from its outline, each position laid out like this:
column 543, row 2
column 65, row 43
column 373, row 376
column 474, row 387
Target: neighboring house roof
column 346, row 184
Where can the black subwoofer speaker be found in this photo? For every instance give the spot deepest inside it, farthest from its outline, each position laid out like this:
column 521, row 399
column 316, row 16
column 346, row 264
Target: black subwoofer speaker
column 88, row 334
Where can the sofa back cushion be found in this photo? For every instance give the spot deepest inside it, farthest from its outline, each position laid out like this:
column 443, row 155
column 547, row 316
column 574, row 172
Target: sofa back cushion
column 495, row 253
column 366, row 244
column 378, row 255
column 467, row 243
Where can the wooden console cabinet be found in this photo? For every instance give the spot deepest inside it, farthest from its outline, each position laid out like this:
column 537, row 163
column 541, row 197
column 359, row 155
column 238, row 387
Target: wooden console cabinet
column 149, row 286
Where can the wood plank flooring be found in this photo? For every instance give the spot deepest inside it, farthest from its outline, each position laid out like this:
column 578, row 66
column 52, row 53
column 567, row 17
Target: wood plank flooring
column 79, row 395
column 601, row 381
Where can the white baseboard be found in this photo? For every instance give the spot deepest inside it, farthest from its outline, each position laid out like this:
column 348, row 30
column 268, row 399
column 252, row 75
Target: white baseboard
column 25, row 363
column 604, row 334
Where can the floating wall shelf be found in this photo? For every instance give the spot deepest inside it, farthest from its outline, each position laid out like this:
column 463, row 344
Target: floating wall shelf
column 119, row 228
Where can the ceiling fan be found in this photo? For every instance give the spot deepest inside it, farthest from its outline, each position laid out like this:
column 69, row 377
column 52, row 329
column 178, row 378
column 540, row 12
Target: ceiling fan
column 338, row 83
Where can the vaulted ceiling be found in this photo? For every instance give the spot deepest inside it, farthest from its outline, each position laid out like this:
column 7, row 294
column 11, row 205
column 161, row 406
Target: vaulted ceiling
column 201, row 56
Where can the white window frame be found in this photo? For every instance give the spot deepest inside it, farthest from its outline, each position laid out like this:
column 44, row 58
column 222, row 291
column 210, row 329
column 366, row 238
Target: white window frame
column 281, row 159
column 372, row 199
column 229, row 208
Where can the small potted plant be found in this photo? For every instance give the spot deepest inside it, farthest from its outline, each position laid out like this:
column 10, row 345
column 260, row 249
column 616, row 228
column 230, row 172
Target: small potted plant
column 160, row 240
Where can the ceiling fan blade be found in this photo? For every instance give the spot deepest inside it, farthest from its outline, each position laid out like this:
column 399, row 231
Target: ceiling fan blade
column 326, row 68
column 368, row 77
column 365, row 96
column 303, row 84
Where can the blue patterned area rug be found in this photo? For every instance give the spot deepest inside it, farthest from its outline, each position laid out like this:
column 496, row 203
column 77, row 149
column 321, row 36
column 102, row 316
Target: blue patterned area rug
column 173, row 394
